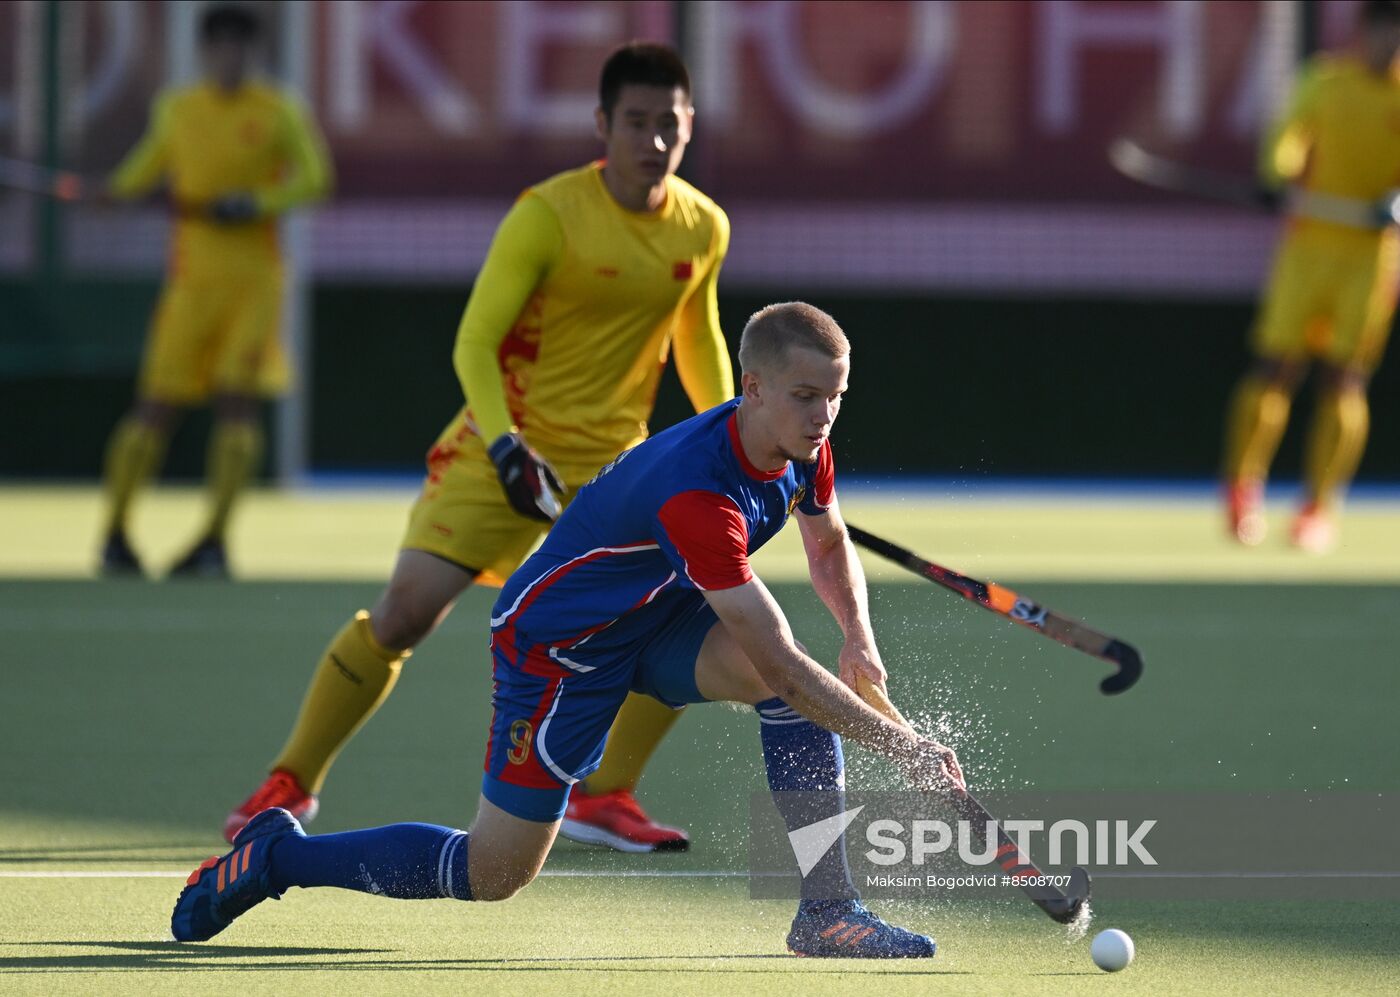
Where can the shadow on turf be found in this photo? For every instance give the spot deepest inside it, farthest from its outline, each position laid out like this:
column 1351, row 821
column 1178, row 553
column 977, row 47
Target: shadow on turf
column 167, row 955
column 190, row 958
column 1078, row 972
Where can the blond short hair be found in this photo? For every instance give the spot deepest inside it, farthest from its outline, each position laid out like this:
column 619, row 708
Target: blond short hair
column 771, row 331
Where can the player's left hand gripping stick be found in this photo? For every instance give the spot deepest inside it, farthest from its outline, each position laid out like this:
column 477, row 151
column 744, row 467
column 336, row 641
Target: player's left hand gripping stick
column 234, row 209
column 531, row 485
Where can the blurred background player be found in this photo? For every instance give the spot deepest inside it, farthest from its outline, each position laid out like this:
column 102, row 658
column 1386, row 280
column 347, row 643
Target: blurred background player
column 1332, row 293
column 590, row 279
column 236, row 153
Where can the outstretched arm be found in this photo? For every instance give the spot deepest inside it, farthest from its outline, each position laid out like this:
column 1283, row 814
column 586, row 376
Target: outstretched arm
column 839, row 580
column 706, row 537
column 758, row 625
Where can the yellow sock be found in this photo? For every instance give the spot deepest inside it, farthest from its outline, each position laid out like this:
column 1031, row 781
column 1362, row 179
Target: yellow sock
column 134, row 453
column 1258, row 417
column 1335, row 444
column 235, row 450
column 640, row 725
column 355, row 675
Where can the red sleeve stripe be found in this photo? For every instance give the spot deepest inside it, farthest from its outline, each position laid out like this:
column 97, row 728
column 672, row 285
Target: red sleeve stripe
column 824, row 482
column 710, row 534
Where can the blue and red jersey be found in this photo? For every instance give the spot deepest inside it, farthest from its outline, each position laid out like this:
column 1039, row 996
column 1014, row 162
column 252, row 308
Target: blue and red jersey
column 674, row 516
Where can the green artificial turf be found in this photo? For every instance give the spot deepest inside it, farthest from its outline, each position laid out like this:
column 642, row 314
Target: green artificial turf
column 134, row 715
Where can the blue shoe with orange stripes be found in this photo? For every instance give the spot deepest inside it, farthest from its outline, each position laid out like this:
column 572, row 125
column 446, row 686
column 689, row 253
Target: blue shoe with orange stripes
column 223, row 888
column 844, row 929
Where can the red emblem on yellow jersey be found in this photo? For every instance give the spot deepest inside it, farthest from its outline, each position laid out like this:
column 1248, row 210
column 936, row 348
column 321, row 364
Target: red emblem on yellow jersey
column 683, row 270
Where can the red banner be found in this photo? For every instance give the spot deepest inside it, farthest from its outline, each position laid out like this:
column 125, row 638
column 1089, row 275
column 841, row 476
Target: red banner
column 795, row 100
column 874, row 143
column 838, row 101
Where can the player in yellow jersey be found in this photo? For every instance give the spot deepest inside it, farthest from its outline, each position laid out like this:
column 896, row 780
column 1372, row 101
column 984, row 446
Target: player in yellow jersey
column 1332, row 293
column 594, row 276
column 235, row 154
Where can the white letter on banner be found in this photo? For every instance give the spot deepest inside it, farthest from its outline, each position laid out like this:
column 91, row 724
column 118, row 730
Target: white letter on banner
column 854, row 115
column 719, row 30
column 1268, row 73
column 525, row 27
column 120, row 47
column 99, row 84
column 347, row 103
column 1175, row 28
column 775, row 27
column 354, row 42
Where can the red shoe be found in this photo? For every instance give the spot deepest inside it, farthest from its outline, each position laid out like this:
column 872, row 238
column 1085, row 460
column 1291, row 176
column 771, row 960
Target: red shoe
column 280, row 789
column 616, row 819
column 1314, row 530
column 1244, row 506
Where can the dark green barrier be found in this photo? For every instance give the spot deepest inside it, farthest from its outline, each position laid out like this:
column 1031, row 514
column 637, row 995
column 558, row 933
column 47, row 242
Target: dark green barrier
column 956, row 386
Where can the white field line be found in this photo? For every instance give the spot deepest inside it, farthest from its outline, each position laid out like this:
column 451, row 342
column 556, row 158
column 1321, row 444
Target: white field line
column 712, row 874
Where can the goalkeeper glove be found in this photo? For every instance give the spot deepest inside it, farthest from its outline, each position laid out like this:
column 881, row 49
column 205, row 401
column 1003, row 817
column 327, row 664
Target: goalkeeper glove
column 1387, row 210
column 234, row 209
column 530, row 483
column 1269, row 198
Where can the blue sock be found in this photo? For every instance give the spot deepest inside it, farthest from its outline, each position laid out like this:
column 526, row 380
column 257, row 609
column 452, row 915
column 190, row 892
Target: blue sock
column 806, row 772
column 408, row 861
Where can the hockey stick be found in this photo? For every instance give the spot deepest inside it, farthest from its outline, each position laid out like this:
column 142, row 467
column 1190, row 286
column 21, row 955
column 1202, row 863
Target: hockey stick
column 69, row 187
column 1136, row 163
column 62, row 185
column 1063, row 907
column 1005, row 602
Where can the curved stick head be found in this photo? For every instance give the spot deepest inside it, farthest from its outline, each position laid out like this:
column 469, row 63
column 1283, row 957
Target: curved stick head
column 1066, row 911
column 1129, row 663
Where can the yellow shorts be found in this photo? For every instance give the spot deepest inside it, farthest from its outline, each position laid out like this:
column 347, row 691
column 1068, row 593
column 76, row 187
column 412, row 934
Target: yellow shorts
column 462, row 514
column 216, row 334
column 1331, row 298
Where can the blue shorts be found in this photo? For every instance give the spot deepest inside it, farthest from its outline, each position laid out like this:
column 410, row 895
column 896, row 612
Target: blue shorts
column 553, row 712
